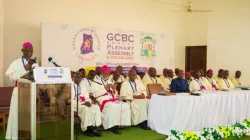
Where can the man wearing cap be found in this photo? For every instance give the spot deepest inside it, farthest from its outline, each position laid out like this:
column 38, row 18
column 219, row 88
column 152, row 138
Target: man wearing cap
column 137, row 76
column 209, row 82
column 108, row 83
column 167, row 78
column 134, row 92
column 114, row 112
column 16, row 70
column 236, row 80
column 121, row 78
column 197, row 84
column 224, row 82
column 89, row 113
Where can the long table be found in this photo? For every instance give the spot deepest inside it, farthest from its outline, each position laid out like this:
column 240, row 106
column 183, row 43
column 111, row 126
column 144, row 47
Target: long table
column 184, row 112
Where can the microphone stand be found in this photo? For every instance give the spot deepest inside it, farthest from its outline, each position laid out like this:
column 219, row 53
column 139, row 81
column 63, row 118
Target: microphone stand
column 30, row 77
column 77, row 99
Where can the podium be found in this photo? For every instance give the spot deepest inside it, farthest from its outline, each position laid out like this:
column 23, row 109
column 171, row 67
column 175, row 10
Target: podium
column 44, row 105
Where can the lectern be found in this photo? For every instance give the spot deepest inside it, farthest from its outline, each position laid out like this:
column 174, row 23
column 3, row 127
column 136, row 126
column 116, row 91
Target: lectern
column 44, row 105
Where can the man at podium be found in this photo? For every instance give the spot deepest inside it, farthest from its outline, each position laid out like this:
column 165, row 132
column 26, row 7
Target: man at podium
column 16, row 70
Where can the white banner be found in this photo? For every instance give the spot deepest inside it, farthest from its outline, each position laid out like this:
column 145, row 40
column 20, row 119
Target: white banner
column 78, row 47
column 52, row 75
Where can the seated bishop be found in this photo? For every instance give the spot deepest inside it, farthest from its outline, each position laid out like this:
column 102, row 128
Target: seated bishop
column 121, row 78
column 224, row 83
column 236, row 80
column 16, row 70
column 98, row 73
column 137, row 76
column 167, row 78
column 197, row 84
column 151, row 78
column 209, row 82
column 134, row 92
column 89, row 113
column 114, row 112
column 219, row 76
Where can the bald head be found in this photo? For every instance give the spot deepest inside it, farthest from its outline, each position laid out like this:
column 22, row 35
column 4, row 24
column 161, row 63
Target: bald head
column 132, row 75
column 119, row 68
column 98, row 71
column 91, row 75
column 165, row 72
column 181, row 74
column 152, row 72
column 225, row 74
column 116, row 75
column 238, row 74
column 176, row 71
column 170, row 73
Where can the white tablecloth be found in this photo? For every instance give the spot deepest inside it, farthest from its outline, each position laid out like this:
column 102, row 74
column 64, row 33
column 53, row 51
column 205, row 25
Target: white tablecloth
column 193, row 113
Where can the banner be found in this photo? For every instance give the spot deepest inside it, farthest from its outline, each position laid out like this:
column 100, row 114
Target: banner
column 52, row 75
column 78, row 47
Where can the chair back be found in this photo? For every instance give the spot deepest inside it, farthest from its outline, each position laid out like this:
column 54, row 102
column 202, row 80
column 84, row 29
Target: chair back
column 5, row 96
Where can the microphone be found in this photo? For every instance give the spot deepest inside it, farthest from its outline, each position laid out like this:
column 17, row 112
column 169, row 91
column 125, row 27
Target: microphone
column 32, row 61
column 52, row 61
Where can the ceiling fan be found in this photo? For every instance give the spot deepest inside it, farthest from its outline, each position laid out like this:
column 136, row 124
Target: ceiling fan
column 187, row 8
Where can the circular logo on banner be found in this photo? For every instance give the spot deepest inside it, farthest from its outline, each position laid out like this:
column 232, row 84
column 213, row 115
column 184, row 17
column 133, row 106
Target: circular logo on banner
column 86, row 44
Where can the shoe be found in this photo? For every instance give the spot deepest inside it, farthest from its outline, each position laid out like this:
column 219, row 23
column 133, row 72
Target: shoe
column 89, row 134
column 146, row 128
column 97, row 133
column 116, row 131
column 144, row 125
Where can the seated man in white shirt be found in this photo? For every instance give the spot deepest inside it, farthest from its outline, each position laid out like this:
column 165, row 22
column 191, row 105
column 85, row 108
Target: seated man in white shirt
column 209, row 81
column 89, row 113
column 121, row 78
column 137, row 76
column 197, row 84
column 224, row 83
column 236, row 80
column 134, row 92
column 151, row 78
column 98, row 73
column 167, row 78
column 114, row 112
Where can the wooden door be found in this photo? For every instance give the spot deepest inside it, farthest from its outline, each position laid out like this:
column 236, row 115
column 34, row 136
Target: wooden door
column 196, row 58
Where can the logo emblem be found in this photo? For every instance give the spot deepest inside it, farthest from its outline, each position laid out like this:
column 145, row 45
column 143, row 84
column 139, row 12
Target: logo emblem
column 61, row 71
column 45, row 71
column 86, row 44
column 148, row 46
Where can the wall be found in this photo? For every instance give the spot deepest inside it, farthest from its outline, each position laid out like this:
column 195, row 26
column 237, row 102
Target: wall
column 1, row 43
column 23, row 17
column 228, row 36
column 225, row 31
